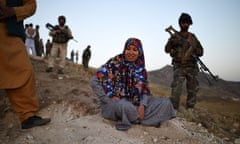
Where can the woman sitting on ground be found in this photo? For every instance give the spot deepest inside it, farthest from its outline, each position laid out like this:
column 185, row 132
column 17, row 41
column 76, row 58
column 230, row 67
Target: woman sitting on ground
column 122, row 87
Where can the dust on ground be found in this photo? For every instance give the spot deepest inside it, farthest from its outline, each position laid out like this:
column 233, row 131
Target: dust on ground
column 73, row 107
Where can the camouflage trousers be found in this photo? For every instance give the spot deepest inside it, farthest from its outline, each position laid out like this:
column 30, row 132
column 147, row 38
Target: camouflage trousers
column 180, row 75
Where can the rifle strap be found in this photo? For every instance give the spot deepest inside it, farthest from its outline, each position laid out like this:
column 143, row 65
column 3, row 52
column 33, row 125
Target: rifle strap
column 187, row 47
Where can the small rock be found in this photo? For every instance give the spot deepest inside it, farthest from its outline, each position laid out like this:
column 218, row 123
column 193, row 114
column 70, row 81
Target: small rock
column 236, row 125
column 237, row 141
column 199, row 124
column 10, row 126
column 29, row 137
column 155, row 140
column 145, row 133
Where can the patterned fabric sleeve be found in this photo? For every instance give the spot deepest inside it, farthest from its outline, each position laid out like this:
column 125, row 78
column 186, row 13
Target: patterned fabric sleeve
column 125, row 79
column 105, row 76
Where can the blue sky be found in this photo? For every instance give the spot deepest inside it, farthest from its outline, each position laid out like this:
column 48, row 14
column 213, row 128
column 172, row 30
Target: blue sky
column 107, row 24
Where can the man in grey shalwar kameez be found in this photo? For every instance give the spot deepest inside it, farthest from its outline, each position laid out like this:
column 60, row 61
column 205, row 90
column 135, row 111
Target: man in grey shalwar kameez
column 122, row 87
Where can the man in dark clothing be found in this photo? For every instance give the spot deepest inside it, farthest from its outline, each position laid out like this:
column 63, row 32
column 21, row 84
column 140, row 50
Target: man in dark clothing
column 183, row 46
column 37, row 41
column 76, row 55
column 48, row 47
column 86, row 56
column 72, row 56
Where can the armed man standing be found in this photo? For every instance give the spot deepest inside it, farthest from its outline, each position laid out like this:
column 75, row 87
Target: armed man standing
column 17, row 77
column 183, row 47
column 61, row 35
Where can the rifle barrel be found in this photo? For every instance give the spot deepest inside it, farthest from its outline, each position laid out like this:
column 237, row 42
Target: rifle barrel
column 205, row 68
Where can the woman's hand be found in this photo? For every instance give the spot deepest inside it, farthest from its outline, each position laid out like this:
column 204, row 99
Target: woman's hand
column 114, row 98
column 141, row 110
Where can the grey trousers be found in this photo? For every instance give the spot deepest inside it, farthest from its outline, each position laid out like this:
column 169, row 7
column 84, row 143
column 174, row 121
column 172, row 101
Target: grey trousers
column 124, row 112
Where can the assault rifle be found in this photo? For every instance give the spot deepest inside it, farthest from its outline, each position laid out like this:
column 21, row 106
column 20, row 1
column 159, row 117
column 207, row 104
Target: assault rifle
column 52, row 28
column 203, row 67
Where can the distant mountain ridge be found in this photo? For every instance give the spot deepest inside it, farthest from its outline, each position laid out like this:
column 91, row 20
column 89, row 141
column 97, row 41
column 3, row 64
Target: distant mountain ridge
column 220, row 90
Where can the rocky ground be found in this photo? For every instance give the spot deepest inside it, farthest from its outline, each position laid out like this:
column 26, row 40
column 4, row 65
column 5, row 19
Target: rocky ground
column 75, row 114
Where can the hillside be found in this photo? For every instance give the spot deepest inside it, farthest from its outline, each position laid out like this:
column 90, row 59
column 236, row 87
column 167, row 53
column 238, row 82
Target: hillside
column 75, row 114
column 220, row 90
column 218, row 105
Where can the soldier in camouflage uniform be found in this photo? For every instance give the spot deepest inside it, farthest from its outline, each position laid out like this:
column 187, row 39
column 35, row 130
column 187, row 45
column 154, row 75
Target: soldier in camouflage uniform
column 182, row 47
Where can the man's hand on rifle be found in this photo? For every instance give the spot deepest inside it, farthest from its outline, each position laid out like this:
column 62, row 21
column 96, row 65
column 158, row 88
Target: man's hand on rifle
column 58, row 31
column 197, row 52
column 174, row 40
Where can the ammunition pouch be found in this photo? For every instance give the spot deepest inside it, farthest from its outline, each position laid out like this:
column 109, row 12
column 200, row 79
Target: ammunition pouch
column 190, row 63
column 60, row 38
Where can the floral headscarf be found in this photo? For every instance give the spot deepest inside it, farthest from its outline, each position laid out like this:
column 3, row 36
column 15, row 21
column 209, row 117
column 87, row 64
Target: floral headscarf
column 125, row 79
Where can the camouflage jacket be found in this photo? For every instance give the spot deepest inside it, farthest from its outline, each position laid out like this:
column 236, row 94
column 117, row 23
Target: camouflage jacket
column 63, row 36
column 182, row 48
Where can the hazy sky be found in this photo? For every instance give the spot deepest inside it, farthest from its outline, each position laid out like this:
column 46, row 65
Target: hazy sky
column 107, row 24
